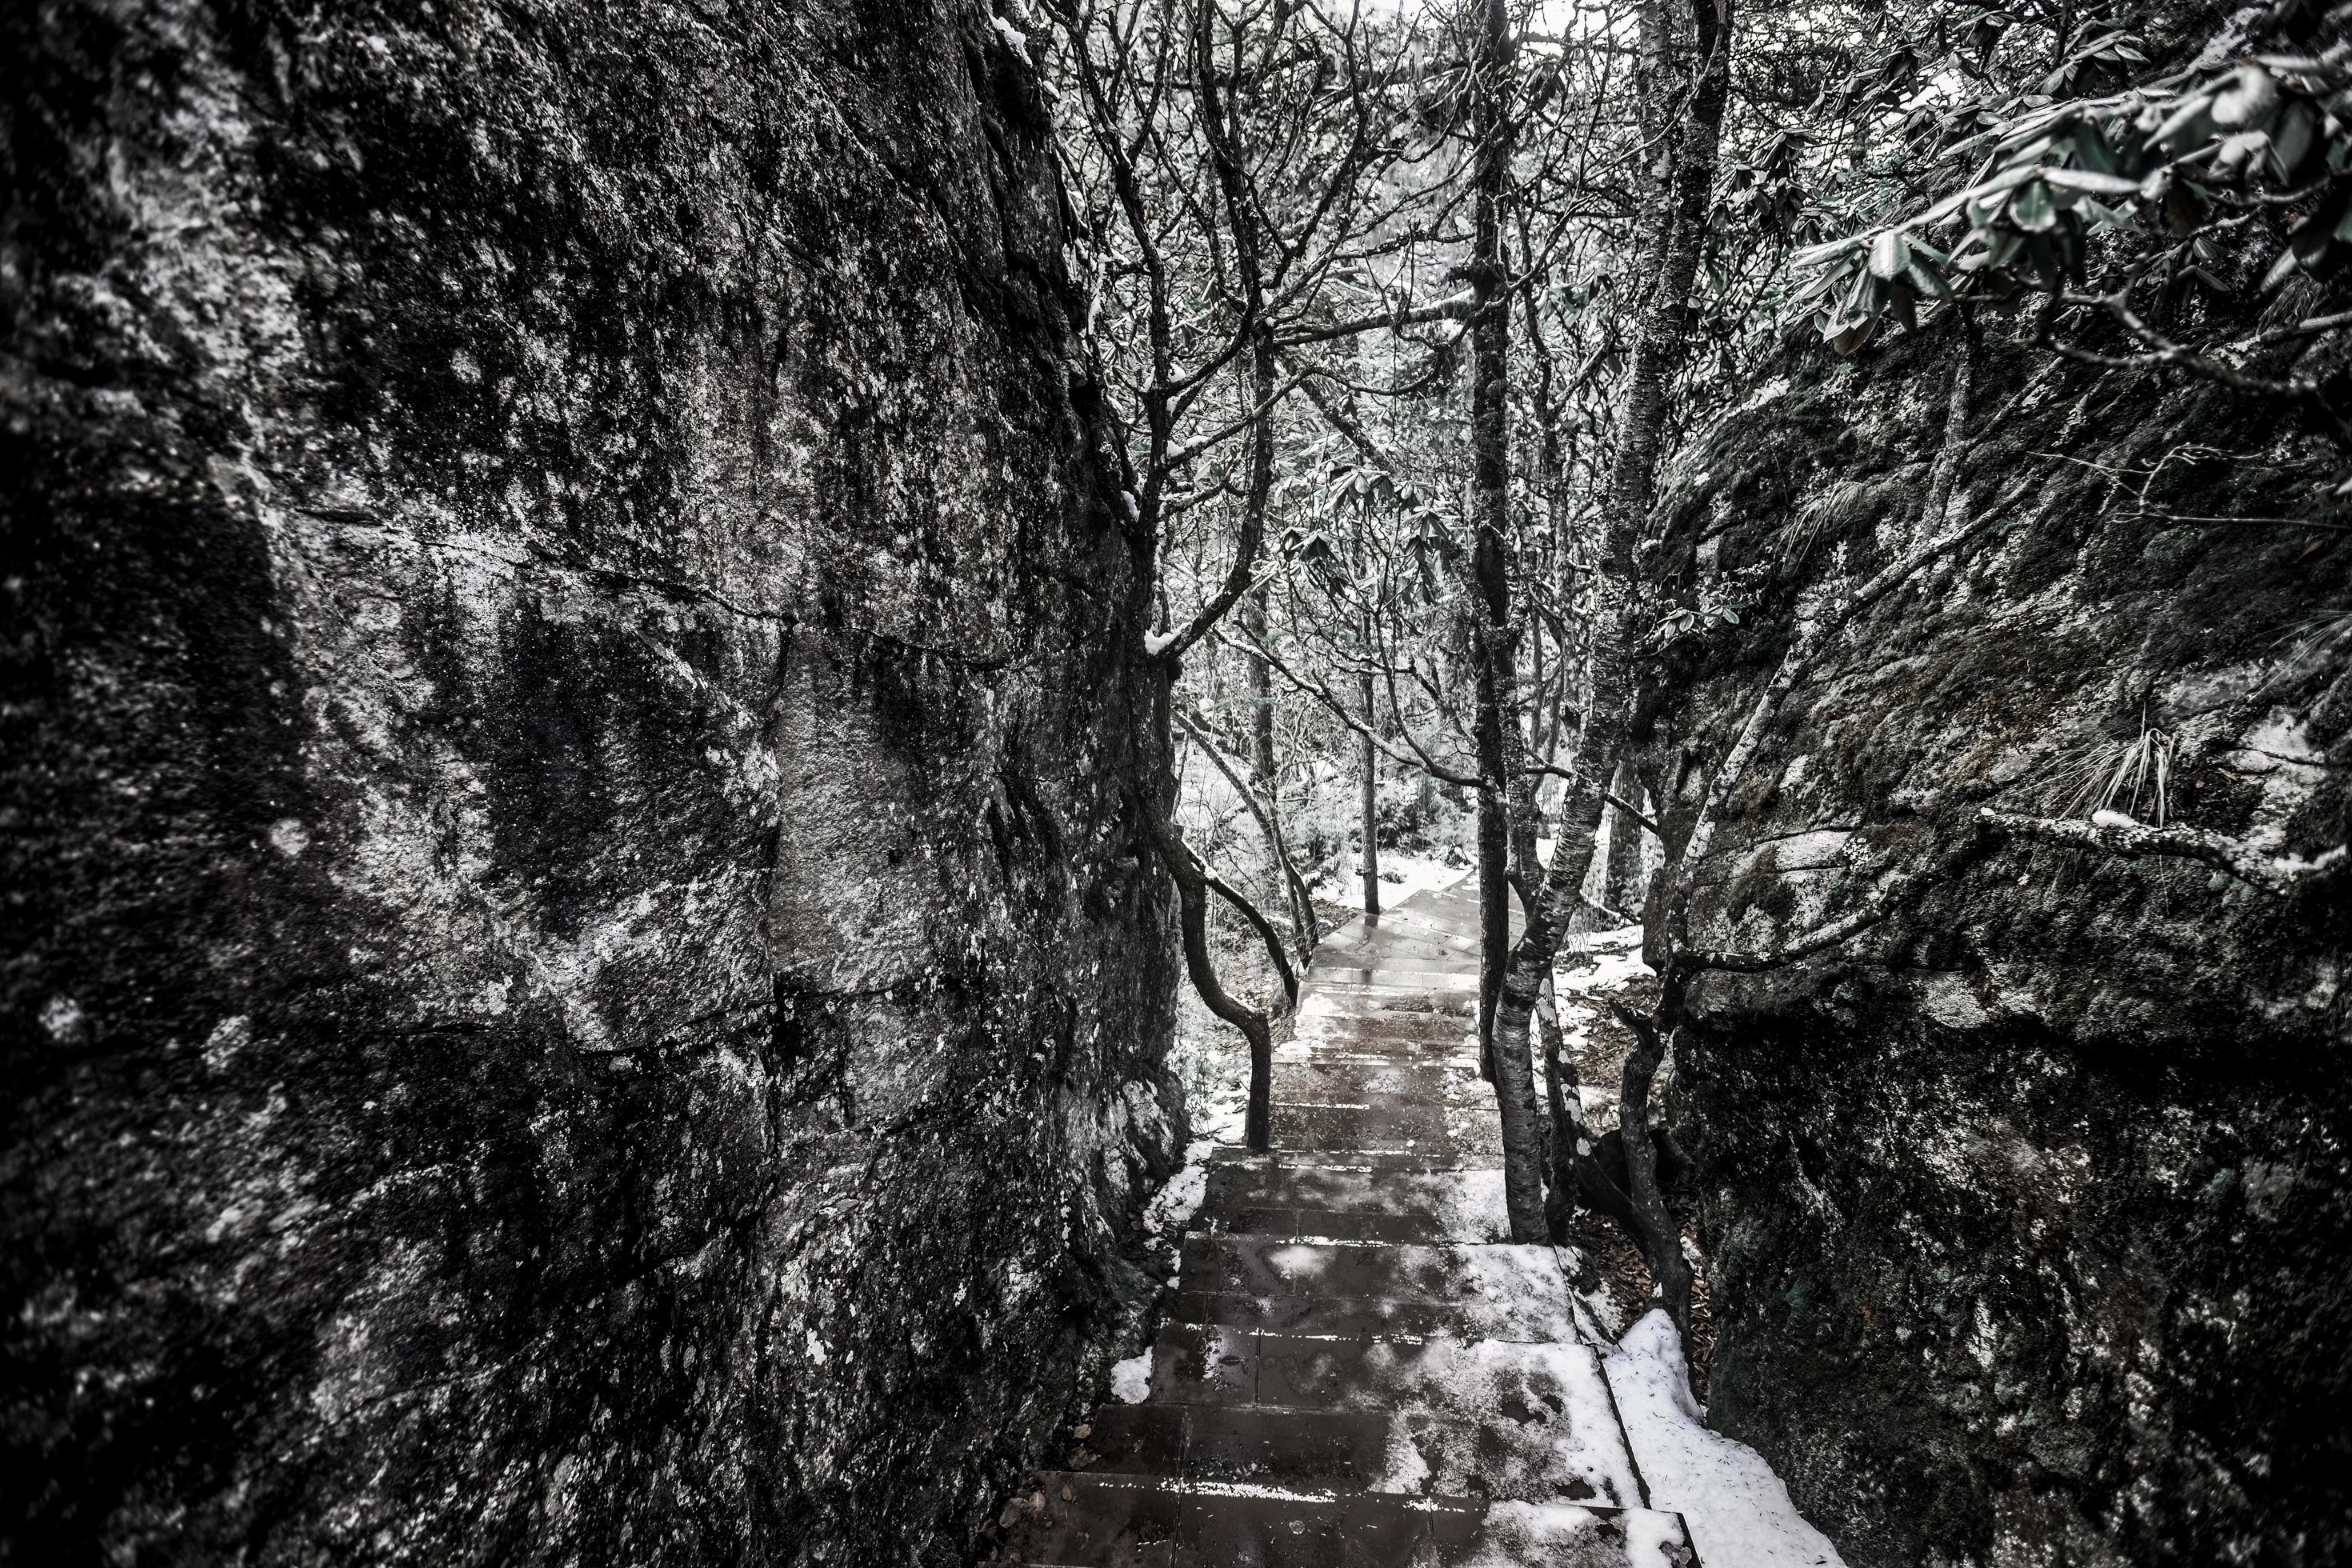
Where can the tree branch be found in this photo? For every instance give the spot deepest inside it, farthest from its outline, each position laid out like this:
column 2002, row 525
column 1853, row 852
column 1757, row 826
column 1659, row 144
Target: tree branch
column 2278, row 875
column 1302, row 902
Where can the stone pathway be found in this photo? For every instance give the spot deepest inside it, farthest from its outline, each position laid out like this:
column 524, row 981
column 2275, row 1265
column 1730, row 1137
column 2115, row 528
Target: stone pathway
column 1355, row 1367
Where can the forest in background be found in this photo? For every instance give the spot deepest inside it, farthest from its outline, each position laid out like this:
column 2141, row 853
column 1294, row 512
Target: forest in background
column 1407, row 310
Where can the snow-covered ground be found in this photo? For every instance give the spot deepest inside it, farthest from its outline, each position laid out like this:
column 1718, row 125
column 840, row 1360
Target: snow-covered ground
column 1737, row 1510
column 1402, row 876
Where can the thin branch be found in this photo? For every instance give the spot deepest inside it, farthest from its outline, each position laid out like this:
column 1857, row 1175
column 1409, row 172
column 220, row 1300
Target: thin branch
column 1302, row 901
column 2278, row 875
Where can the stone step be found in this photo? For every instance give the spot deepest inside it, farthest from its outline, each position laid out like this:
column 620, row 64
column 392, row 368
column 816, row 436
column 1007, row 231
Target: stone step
column 1349, row 1203
column 1435, row 1042
column 1353, row 1080
column 1234, row 1154
column 1445, row 1134
column 1329, row 1451
column 1353, row 1369
column 1325, row 1015
column 1485, row 1291
column 1095, row 1521
column 1415, row 921
column 1370, row 985
column 1534, row 1422
column 1402, row 953
column 1378, row 1048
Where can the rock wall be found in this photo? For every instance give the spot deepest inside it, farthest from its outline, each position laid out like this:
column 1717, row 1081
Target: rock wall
column 578, row 984
column 2029, row 1216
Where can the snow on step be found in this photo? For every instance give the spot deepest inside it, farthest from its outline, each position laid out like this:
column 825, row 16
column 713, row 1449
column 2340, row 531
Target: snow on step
column 1090, row 1520
column 1442, row 1134
column 1359, row 987
column 1354, row 1367
column 1738, row 1511
column 1465, row 1292
column 1350, row 1203
column 1495, row 1418
column 1321, row 1081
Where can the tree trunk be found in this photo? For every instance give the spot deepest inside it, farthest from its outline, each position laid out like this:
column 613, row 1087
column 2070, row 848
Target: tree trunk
column 1658, row 352
column 1621, row 886
column 1508, row 1062
column 1370, row 858
column 1254, row 617
column 1662, row 1238
column 1192, row 884
column 1665, row 332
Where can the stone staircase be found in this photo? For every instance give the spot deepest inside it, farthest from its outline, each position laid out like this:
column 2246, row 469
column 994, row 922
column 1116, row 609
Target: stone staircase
column 1355, row 1369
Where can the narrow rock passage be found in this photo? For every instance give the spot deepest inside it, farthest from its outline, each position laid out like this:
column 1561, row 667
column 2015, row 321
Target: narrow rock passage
column 1355, row 1366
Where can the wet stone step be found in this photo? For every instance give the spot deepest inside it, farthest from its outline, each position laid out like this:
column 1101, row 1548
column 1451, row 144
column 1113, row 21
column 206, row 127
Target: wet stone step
column 1412, row 922
column 1361, row 1125
column 1292, row 1200
column 1374, row 1083
column 1407, row 993
column 1376, row 1163
column 1430, row 1161
column 1331, row 1450
column 1112, row 1522
column 1365, row 988
column 1328, row 1023
column 1392, row 957
column 1468, row 1291
column 1494, row 1417
column 1374, row 973
column 1380, row 1050
column 1334, row 1225
column 1422, row 938
column 1448, row 1274
column 1502, row 1419
column 1445, row 1134
column 1318, row 1082
column 1373, row 1316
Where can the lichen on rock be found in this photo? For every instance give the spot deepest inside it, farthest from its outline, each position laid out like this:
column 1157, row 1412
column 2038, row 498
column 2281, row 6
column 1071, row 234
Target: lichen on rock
column 579, row 971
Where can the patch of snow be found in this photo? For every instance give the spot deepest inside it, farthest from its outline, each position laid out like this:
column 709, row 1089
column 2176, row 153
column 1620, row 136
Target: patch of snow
column 1156, row 643
column 1130, row 1380
column 229, row 1036
column 1652, row 1538
column 1222, row 1120
column 1014, row 40
column 1177, row 1201
column 1401, row 877
column 1616, row 961
column 1516, row 1533
column 1738, row 1511
column 2106, row 817
column 1439, row 1391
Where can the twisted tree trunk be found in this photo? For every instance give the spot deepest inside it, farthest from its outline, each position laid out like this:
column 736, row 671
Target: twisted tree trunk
column 1659, row 348
column 1508, row 1063
column 1370, row 858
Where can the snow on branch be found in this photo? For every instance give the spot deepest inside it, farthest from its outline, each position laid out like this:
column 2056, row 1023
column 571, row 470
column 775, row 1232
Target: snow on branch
column 2275, row 874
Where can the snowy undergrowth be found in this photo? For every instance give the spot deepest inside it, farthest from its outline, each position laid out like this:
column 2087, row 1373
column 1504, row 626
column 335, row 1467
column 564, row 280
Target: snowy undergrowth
column 1737, row 1510
column 1599, row 965
column 1211, row 1063
column 1402, row 876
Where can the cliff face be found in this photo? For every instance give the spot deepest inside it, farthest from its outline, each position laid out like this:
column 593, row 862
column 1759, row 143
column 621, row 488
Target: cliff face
column 579, row 984
column 2029, row 1216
